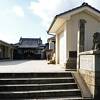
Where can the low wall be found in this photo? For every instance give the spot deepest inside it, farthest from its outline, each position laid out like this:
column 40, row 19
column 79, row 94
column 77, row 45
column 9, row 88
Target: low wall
column 89, row 68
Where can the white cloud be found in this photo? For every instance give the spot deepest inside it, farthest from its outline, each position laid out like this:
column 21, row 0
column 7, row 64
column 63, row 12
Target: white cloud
column 95, row 3
column 47, row 9
column 18, row 11
column 9, row 38
column 5, row 12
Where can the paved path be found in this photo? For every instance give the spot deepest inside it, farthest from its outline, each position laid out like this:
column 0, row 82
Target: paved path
column 29, row 66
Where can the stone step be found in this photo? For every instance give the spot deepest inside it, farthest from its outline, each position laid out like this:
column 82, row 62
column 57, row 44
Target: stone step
column 40, row 94
column 34, row 87
column 35, row 75
column 69, row 98
column 38, row 81
column 35, row 78
column 65, row 98
column 38, row 86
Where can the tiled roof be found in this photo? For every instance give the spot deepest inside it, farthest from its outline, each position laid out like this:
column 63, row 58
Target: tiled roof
column 74, row 9
column 29, row 42
column 5, row 44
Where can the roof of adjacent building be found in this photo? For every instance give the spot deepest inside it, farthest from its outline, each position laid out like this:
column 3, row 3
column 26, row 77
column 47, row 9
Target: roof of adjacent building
column 5, row 44
column 29, row 43
column 51, row 39
column 69, row 11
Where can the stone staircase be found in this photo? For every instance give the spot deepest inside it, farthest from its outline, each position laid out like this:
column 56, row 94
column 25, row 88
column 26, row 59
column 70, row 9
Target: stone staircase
column 53, row 85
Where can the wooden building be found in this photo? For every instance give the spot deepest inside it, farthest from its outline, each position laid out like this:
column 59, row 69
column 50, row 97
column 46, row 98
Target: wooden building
column 50, row 48
column 6, row 50
column 28, row 48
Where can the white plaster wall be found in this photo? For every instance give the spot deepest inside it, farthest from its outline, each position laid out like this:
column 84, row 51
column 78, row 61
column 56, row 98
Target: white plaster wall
column 68, row 34
column 92, row 26
column 87, row 62
column 61, row 48
column 62, row 45
column 72, row 27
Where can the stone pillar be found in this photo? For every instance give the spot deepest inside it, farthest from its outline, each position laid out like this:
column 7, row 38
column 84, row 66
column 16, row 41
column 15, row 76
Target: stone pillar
column 80, row 40
column 78, row 63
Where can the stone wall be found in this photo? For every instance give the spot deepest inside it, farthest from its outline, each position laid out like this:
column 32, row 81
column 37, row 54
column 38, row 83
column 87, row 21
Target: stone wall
column 89, row 68
column 89, row 78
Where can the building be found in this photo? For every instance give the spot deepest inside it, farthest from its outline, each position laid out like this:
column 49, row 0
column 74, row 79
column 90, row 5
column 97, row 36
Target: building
column 28, row 48
column 68, row 26
column 74, row 31
column 51, row 42
column 50, row 48
column 6, row 50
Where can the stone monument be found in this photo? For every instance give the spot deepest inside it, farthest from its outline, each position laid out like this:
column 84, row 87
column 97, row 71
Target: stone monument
column 96, row 41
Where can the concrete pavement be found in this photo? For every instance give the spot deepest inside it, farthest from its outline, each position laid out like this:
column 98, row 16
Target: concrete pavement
column 29, row 66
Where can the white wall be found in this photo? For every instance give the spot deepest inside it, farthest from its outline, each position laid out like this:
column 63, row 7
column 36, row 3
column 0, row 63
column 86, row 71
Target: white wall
column 87, row 62
column 68, row 34
column 72, row 26
column 91, row 27
column 62, row 44
column 61, row 48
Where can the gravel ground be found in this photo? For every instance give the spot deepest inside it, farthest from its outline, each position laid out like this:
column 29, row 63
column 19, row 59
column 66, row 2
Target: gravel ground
column 29, row 66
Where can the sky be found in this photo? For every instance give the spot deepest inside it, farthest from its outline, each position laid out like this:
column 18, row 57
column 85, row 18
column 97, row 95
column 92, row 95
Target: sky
column 32, row 18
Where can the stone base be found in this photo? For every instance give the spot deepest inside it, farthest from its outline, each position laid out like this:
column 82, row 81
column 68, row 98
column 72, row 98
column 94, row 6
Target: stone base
column 92, row 80
column 89, row 68
column 82, row 85
column 71, row 63
column 89, row 78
